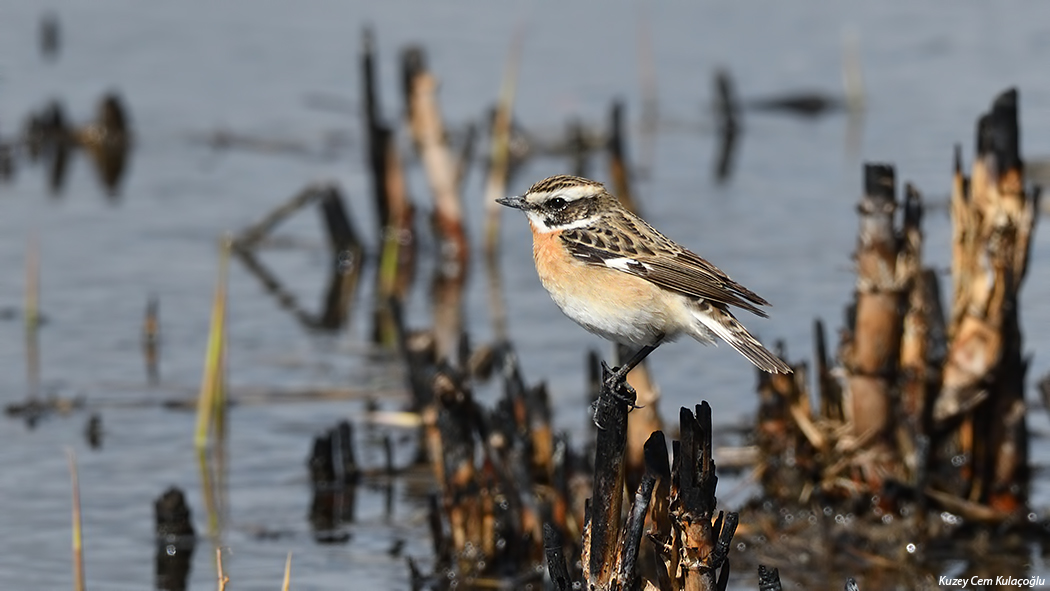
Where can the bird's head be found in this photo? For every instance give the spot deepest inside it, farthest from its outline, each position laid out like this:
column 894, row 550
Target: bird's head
column 562, row 202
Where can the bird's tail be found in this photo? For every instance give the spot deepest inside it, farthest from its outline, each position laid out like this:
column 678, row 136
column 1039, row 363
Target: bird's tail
column 722, row 323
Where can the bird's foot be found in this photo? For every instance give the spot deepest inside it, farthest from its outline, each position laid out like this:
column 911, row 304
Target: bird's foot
column 616, row 379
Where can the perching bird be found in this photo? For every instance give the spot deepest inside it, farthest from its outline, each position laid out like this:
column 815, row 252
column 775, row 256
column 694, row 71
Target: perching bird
column 619, row 278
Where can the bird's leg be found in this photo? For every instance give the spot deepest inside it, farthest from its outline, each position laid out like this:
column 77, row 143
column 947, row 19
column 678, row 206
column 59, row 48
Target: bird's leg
column 636, row 359
column 618, row 375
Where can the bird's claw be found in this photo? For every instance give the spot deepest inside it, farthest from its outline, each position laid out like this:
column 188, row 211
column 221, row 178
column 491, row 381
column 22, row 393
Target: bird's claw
column 614, row 381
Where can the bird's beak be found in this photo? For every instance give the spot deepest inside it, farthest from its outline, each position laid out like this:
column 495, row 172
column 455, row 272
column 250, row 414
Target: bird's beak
column 515, row 202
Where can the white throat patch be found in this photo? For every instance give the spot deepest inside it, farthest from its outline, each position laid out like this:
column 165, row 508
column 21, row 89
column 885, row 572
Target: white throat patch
column 539, row 224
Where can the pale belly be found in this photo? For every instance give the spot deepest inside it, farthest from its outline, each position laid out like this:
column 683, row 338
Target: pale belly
column 634, row 312
column 612, row 304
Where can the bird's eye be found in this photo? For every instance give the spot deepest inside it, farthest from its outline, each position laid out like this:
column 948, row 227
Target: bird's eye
column 557, row 203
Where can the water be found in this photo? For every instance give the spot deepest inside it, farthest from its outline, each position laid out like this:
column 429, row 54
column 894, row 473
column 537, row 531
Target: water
column 784, row 226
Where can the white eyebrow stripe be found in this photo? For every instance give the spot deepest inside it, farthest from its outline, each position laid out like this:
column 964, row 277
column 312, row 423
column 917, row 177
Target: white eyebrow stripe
column 577, row 192
column 625, row 263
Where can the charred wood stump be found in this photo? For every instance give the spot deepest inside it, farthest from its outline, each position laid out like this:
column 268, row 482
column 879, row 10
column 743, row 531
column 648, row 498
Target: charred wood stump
column 496, row 489
column 644, row 420
column 689, row 542
column 872, row 357
column 334, row 474
column 176, row 540
column 603, row 519
column 982, row 397
column 702, row 538
column 786, row 435
column 871, row 352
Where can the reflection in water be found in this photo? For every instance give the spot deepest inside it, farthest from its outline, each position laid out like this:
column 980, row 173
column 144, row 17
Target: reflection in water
column 344, row 271
column 93, row 431
column 7, row 161
column 727, row 112
column 107, row 142
column 49, row 36
column 346, row 264
column 151, row 340
column 48, row 138
column 334, row 474
column 728, row 108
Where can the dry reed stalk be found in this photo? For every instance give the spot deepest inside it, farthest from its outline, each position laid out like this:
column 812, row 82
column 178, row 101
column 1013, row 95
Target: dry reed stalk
column 447, row 299
column 374, row 128
column 448, row 214
column 287, row 573
column 151, row 339
column 211, row 403
column 32, row 316
column 829, row 390
column 398, row 249
column 909, row 275
column 915, row 332
column 499, row 147
column 78, row 538
column 619, row 169
column 496, row 186
column 577, row 146
column 453, row 250
column 209, row 492
column 871, row 358
column 400, row 233
column 466, row 155
column 963, row 240
column 222, row 578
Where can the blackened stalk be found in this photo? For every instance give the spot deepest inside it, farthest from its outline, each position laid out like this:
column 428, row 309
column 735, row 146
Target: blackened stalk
column 610, row 414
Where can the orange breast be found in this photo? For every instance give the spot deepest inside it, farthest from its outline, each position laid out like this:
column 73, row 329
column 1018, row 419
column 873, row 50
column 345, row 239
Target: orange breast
column 614, row 304
column 553, row 263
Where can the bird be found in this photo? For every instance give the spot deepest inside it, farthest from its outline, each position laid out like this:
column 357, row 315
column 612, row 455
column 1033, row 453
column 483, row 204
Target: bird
column 620, row 278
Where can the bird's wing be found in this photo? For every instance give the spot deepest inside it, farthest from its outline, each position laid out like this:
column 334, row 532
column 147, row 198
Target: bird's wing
column 633, row 246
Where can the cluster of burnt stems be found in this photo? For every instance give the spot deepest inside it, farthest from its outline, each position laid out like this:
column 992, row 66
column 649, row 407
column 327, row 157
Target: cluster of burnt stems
column 915, row 435
column 914, row 442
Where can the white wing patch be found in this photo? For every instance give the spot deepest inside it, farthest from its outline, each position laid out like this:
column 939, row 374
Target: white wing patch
column 625, row 264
